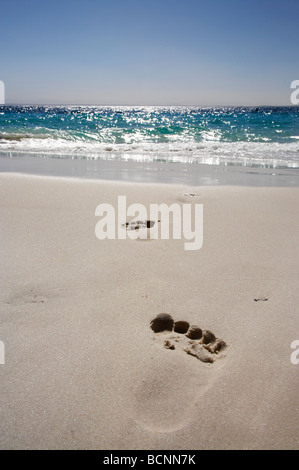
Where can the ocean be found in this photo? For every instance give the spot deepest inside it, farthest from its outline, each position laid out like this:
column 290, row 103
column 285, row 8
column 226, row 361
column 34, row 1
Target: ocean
column 265, row 137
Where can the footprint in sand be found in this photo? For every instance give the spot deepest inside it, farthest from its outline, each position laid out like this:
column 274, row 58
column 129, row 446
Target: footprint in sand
column 199, row 343
column 189, row 197
column 166, row 399
column 138, row 224
column 141, row 229
column 26, row 298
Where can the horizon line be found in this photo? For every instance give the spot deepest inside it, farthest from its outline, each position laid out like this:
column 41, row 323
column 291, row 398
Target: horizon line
column 12, row 103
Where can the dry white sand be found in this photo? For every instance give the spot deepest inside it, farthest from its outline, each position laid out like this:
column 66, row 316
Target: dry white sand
column 83, row 368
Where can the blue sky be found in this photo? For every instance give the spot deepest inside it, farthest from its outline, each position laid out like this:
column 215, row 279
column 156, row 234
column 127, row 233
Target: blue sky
column 149, row 52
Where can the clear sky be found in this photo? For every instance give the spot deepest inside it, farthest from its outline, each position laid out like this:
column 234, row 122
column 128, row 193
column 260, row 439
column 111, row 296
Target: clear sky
column 177, row 52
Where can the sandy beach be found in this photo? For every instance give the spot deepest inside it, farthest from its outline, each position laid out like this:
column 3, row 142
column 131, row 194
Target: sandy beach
column 83, row 368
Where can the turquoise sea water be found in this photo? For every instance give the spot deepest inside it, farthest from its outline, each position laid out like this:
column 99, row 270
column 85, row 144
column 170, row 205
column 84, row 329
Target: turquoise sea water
column 264, row 136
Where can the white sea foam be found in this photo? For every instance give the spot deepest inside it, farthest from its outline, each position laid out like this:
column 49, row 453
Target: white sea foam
column 211, row 151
